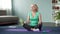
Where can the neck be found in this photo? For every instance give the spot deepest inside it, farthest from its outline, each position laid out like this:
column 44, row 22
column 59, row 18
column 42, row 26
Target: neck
column 34, row 11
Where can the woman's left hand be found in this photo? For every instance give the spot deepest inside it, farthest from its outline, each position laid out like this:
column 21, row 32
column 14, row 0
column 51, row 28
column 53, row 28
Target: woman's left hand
column 39, row 23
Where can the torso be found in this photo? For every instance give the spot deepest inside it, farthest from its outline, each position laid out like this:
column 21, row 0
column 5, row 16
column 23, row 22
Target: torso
column 34, row 18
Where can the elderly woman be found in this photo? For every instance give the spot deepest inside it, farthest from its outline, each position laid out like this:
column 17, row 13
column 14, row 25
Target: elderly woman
column 34, row 20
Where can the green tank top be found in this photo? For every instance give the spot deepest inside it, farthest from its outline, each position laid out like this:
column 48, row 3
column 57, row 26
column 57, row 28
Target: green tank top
column 34, row 20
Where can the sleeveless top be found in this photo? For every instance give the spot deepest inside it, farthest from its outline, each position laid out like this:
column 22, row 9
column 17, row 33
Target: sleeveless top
column 34, row 20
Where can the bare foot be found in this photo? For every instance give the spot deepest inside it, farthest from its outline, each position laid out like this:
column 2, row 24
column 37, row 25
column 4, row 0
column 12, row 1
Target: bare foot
column 33, row 29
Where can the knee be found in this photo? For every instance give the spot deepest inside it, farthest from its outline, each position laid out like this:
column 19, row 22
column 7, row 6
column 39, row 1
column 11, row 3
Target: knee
column 24, row 25
column 40, row 24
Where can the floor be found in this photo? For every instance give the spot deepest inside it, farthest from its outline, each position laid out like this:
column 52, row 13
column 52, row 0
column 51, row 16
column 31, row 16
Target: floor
column 54, row 30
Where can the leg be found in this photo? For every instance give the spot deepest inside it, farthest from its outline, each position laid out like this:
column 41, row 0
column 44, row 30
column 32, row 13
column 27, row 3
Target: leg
column 26, row 26
column 40, row 27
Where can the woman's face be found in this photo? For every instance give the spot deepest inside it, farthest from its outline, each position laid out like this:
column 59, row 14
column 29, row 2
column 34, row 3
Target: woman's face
column 34, row 8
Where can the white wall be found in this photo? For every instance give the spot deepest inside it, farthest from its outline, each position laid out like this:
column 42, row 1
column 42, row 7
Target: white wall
column 21, row 8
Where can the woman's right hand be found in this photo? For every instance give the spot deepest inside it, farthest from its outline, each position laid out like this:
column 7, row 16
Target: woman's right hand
column 26, row 22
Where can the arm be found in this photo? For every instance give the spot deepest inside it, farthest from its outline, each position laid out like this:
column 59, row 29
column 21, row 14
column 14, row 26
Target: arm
column 28, row 20
column 40, row 19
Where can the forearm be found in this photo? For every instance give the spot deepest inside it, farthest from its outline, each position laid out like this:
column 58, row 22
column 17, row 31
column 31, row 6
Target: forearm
column 40, row 19
column 40, row 22
column 27, row 21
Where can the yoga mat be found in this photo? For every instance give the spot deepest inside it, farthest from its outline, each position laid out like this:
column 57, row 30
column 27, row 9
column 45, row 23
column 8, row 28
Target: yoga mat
column 24, row 30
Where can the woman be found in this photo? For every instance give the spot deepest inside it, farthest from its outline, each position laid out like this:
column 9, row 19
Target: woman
column 34, row 19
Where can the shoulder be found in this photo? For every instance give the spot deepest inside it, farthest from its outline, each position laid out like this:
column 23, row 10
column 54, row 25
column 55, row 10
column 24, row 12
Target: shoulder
column 38, row 13
column 29, row 13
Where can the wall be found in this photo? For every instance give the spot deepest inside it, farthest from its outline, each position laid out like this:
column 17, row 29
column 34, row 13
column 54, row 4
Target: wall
column 21, row 8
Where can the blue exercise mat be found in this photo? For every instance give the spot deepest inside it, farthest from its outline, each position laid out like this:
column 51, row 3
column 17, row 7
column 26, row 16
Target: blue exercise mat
column 24, row 30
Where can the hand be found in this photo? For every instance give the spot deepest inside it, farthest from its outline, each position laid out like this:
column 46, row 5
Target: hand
column 26, row 22
column 39, row 23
